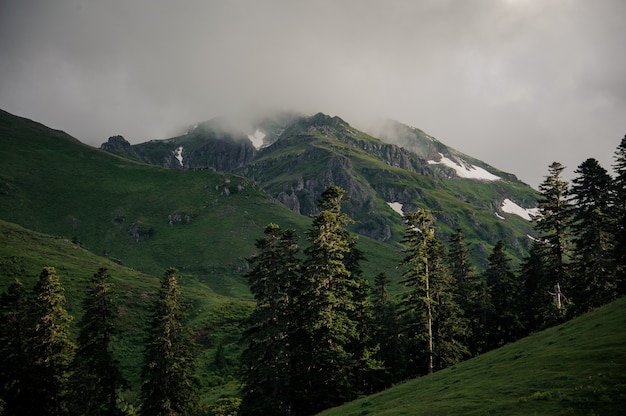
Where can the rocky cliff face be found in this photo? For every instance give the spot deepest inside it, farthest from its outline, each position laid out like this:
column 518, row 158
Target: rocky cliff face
column 224, row 155
column 118, row 145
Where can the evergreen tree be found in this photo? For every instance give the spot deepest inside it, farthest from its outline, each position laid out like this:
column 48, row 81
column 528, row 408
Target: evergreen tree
column 432, row 317
column 325, row 367
column 168, row 387
column 266, row 360
column 593, row 225
column 552, row 224
column 504, row 316
column 14, row 371
column 97, row 378
column 619, row 205
column 370, row 372
column 50, row 349
column 449, row 324
column 542, row 300
column 468, row 288
column 387, row 332
column 416, row 305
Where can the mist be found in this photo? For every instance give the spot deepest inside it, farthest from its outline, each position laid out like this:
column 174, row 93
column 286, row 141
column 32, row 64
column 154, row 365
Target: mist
column 516, row 83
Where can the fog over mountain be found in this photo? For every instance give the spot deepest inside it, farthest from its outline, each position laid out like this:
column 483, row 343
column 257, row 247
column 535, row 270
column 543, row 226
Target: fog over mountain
column 516, row 83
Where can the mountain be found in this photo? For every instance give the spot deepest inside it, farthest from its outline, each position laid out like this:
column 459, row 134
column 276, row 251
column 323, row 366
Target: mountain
column 77, row 208
column 68, row 205
column 576, row 368
column 145, row 217
column 394, row 169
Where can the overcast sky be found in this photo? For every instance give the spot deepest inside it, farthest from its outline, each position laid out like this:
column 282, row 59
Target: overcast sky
column 515, row 83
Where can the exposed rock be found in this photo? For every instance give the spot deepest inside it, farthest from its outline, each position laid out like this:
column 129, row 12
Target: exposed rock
column 118, row 145
column 115, row 143
column 178, row 218
column 224, row 154
column 139, row 231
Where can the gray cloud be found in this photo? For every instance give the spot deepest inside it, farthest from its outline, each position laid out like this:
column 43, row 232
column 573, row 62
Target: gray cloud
column 517, row 83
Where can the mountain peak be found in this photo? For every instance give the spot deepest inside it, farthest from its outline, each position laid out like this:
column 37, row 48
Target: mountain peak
column 115, row 142
column 321, row 119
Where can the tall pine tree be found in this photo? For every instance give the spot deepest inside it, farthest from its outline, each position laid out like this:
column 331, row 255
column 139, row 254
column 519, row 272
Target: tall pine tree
column 50, row 349
column 594, row 283
column 387, row 331
column 325, row 365
column 417, row 303
column 542, row 300
column 97, row 378
column 168, row 387
column 553, row 226
column 449, row 323
column 468, row 290
column 504, row 316
column 266, row 359
column 432, row 318
column 369, row 371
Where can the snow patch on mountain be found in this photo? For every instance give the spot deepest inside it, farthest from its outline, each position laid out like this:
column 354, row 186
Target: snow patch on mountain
column 257, row 139
column 465, row 170
column 396, row 206
column 511, row 207
column 178, row 154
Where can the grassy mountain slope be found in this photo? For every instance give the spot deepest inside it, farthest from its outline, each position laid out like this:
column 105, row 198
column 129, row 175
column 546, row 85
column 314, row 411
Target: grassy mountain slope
column 149, row 218
column 303, row 155
column 215, row 318
column 23, row 253
column 138, row 220
column 576, row 368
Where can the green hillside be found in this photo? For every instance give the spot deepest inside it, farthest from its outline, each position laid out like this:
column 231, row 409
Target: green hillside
column 79, row 208
column 148, row 218
column 577, row 368
column 302, row 155
column 23, row 253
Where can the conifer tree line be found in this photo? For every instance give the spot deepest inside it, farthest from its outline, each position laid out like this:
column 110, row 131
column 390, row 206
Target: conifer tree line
column 43, row 371
column 320, row 335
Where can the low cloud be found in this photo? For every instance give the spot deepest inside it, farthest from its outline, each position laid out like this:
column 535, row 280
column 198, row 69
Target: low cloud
column 516, row 83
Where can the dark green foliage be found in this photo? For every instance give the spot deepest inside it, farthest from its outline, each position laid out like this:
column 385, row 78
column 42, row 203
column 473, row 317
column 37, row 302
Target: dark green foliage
column 14, row 372
column 369, row 373
column 416, row 305
column 468, row 290
column 545, row 271
column 49, row 347
column 433, row 320
column 553, row 224
column 387, row 333
column 326, row 340
column 449, row 324
column 97, row 379
column 504, row 313
column 594, row 282
column 169, row 359
column 543, row 301
column 266, row 360
column 619, row 206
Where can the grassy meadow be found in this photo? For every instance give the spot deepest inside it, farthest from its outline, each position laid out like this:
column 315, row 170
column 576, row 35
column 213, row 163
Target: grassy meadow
column 577, row 368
